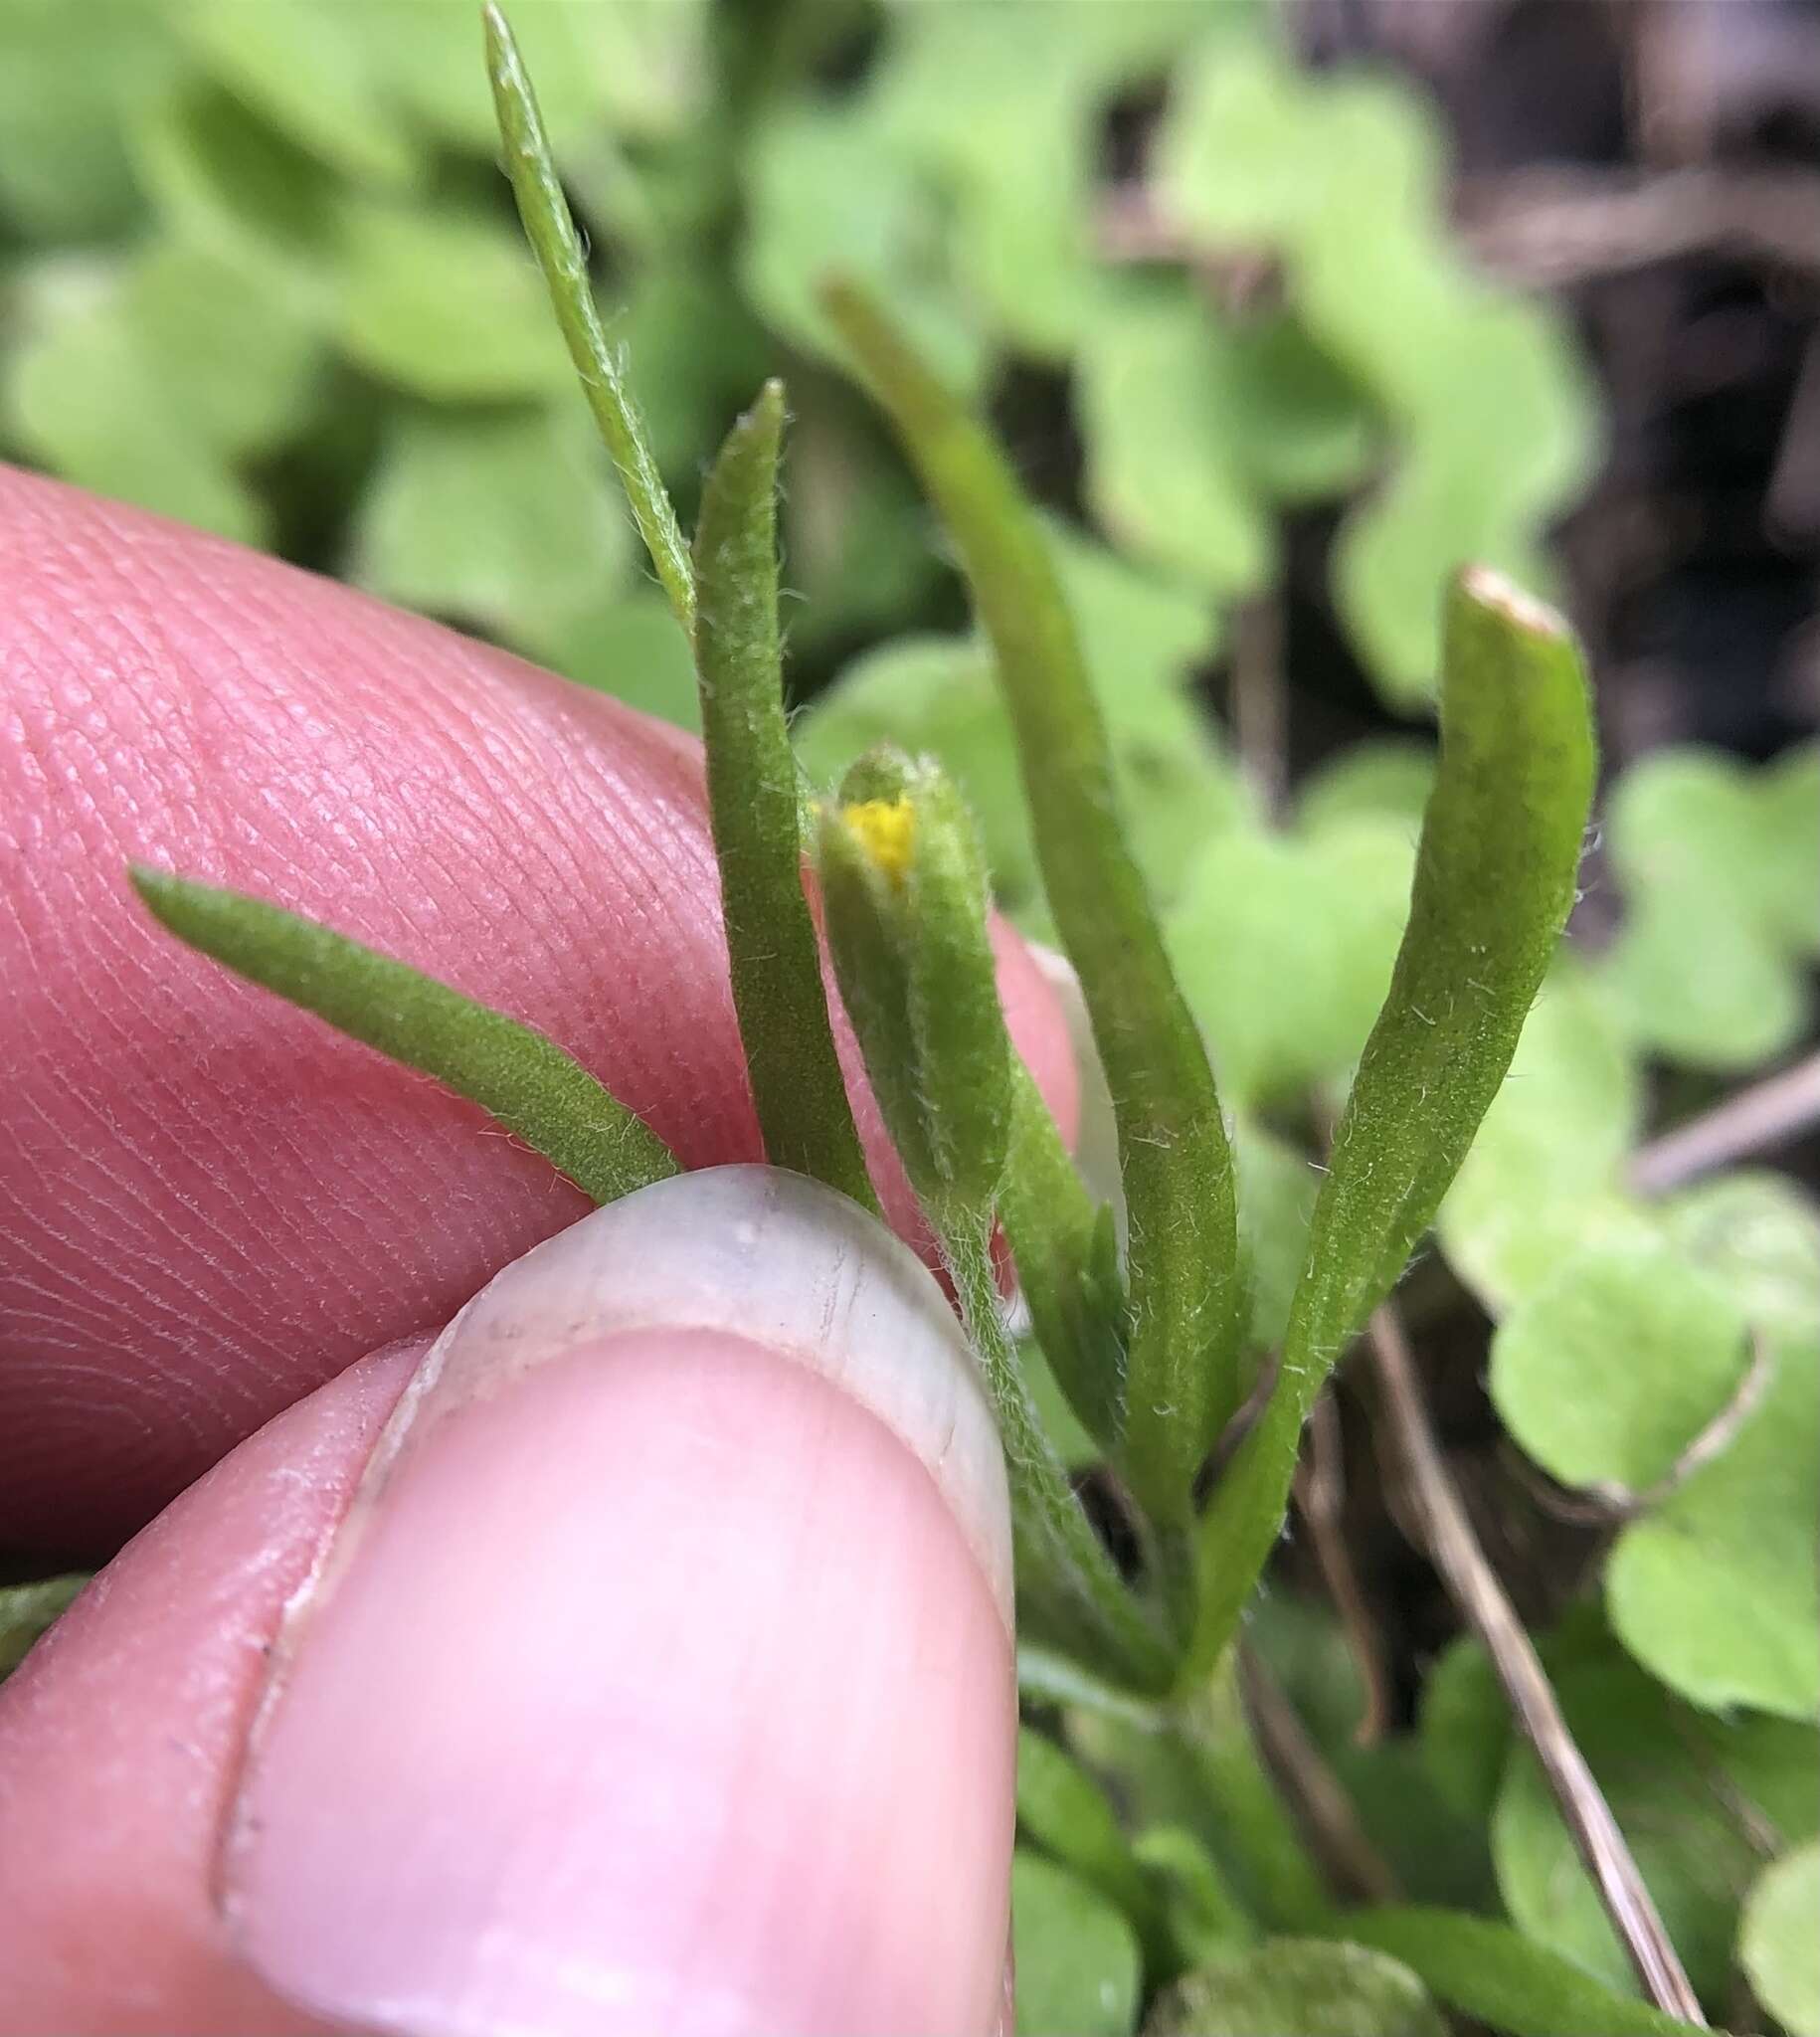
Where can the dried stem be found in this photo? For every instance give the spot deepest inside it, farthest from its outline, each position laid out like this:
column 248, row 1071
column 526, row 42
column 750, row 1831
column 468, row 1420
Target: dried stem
column 1474, row 1586
column 1324, row 1810
column 1259, row 704
column 1321, row 1494
column 1767, row 1114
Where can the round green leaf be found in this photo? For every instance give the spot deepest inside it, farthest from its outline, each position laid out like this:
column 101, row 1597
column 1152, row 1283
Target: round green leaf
column 1715, row 1590
column 827, row 194
column 627, row 645
column 1384, row 780
column 1076, row 1956
column 1543, row 1178
column 507, row 518
column 1779, row 1946
column 1692, row 1794
column 1163, row 474
column 1305, row 1986
column 87, row 397
column 1284, row 950
column 1609, row 1371
column 67, row 76
column 447, row 304
column 1717, row 863
column 306, row 68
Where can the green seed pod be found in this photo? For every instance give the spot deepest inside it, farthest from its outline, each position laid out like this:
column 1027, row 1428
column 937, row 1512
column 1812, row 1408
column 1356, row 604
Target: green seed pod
column 904, row 881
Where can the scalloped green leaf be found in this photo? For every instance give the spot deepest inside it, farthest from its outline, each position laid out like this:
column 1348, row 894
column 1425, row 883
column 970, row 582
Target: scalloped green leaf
column 1164, row 475
column 1284, row 950
column 1311, row 1986
column 1076, row 1956
column 1716, row 860
column 102, row 396
column 226, row 179
column 1544, row 1178
column 824, row 196
column 1609, row 1371
column 1386, row 778
column 626, row 65
column 307, row 70
column 626, row 644
column 447, row 305
column 1779, row 1948
column 505, row 519
column 1715, row 1589
column 1341, row 177
column 68, row 76
column 1695, row 1795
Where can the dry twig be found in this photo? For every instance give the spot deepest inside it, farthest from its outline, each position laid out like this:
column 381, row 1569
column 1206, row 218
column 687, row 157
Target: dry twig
column 1475, row 1589
column 1767, row 1114
column 1347, row 1858
column 1320, row 1491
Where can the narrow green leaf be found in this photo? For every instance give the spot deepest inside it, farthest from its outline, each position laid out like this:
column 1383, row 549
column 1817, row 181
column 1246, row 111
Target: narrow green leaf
column 774, row 960
column 524, row 1078
column 1494, row 884
column 1187, row 1299
column 551, row 232
column 1498, row 1976
column 1067, row 1260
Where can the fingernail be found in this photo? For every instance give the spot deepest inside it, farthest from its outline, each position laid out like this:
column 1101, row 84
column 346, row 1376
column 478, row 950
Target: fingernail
column 661, row 1678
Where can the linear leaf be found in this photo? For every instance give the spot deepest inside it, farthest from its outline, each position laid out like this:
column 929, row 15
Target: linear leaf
column 775, row 963
column 520, row 1076
column 551, row 232
column 1497, row 1976
column 1067, row 1261
column 1188, row 1301
column 1494, row 884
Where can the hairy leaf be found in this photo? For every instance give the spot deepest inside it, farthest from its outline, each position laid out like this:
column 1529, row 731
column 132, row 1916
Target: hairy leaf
column 773, row 955
column 1494, row 883
column 520, row 1076
column 1187, row 1299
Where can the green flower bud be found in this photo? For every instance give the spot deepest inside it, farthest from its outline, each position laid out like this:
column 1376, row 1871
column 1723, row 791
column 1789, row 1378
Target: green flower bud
column 904, row 883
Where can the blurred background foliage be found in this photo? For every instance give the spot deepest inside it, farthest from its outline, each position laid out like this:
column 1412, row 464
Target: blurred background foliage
column 1284, row 311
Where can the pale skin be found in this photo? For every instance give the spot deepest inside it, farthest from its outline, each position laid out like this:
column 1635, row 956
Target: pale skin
column 226, row 1237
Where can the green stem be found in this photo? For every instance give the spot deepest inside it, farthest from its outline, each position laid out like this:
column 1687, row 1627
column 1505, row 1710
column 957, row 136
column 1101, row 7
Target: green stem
column 551, row 232
column 1051, row 1523
column 1067, row 1265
